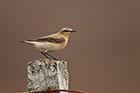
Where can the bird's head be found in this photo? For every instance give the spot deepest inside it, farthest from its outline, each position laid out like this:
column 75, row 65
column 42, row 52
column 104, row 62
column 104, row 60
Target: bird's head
column 66, row 31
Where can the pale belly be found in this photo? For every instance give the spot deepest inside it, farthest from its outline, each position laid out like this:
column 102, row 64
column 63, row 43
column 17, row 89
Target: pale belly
column 49, row 46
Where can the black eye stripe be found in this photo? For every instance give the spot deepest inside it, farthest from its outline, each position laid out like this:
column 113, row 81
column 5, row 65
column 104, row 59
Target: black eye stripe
column 66, row 31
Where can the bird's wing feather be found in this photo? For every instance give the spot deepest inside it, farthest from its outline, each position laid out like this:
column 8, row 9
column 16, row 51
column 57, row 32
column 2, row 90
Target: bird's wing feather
column 51, row 40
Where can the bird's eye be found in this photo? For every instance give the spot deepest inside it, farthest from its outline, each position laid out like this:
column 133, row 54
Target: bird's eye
column 65, row 31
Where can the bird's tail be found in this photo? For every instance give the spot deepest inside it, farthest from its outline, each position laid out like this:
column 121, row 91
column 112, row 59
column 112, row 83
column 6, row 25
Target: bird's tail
column 27, row 41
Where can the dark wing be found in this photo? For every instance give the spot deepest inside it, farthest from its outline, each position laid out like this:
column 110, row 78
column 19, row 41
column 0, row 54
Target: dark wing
column 51, row 40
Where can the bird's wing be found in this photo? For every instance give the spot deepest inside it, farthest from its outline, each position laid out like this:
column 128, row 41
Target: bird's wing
column 51, row 39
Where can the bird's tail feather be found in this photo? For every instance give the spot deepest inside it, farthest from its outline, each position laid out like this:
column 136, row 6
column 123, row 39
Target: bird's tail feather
column 27, row 41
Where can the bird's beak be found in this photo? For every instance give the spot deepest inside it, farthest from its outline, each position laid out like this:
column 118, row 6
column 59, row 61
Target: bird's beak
column 73, row 31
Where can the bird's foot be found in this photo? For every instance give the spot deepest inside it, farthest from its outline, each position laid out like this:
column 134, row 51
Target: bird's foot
column 51, row 56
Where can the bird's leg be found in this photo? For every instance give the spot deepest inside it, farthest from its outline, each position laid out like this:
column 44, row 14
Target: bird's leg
column 47, row 56
column 51, row 56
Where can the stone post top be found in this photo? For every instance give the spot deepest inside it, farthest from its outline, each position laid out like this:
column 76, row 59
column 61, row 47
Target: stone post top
column 44, row 73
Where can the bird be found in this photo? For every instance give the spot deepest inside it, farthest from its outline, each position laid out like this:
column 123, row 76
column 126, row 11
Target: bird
column 51, row 43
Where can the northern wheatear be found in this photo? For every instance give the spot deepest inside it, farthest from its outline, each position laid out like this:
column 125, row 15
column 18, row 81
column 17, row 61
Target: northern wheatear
column 51, row 43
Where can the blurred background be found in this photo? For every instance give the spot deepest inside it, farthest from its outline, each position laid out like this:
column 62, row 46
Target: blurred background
column 103, row 55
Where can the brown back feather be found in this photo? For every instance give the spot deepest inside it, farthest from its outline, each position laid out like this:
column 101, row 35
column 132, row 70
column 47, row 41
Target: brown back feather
column 51, row 40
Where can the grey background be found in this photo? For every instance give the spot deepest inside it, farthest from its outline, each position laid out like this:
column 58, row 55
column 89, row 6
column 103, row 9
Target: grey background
column 103, row 56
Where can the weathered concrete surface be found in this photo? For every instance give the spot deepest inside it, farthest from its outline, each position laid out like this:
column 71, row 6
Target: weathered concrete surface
column 44, row 73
